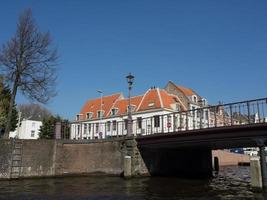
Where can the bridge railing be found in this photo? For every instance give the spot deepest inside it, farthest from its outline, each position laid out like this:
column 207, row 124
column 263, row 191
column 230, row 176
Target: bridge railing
column 233, row 114
column 222, row 115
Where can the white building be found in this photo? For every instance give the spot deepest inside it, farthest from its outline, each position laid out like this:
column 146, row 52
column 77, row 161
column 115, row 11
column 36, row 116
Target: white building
column 28, row 129
column 155, row 111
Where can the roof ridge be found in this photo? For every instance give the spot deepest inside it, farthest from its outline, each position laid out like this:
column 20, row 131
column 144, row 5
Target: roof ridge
column 177, row 98
column 114, row 103
column 160, row 98
column 142, row 99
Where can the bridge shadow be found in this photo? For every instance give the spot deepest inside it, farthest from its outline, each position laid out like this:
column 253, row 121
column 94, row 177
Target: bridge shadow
column 178, row 162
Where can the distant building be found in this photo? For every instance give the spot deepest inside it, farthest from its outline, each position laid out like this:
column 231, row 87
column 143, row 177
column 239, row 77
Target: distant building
column 110, row 118
column 27, row 129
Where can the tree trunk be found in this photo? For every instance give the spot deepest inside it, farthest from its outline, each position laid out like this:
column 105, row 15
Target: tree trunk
column 10, row 109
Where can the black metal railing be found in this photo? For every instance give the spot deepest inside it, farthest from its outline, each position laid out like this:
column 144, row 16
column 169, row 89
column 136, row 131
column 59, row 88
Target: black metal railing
column 233, row 114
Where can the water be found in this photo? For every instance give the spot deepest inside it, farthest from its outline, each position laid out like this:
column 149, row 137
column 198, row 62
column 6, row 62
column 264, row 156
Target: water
column 230, row 183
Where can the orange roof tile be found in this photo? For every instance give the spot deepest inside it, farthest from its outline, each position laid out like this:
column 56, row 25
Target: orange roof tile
column 151, row 100
column 122, row 104
column 94, row 105
column 169, row 99
column 186, row 91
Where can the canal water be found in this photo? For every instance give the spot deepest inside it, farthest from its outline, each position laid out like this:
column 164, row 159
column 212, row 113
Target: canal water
column 230, row 183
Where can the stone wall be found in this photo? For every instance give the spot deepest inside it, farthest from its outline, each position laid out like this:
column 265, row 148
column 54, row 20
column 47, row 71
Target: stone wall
column 43, row 158
column 5, row 158
column 92, row 158
column 38, row 158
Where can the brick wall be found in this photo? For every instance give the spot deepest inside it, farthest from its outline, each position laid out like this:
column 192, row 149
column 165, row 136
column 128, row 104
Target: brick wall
column 228, row 158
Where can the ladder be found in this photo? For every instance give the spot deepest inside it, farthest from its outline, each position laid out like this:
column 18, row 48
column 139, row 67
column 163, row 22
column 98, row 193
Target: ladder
column 16, row 159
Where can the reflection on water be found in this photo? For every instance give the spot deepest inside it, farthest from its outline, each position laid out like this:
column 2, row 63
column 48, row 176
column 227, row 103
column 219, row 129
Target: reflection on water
column 230, row 183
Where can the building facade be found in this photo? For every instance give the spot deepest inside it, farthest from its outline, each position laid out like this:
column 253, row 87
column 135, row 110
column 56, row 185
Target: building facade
column 158, row 110
column 27, row 129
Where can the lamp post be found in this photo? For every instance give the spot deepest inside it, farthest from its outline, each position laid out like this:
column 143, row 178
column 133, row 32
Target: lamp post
column 101, row 113
column 130, row 79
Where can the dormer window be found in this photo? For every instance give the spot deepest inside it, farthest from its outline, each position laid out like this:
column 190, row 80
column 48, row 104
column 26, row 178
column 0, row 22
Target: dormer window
column 194, row 98
column 132, row 108
column 151, row 104
column 100, row 114
column 114, row 111
column 177, row 107
column 78, row 117
column 204, row 102
column 89, row 115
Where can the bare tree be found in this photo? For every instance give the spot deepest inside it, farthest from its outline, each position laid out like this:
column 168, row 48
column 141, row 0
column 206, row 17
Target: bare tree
column 33, row 111
column 28, row 63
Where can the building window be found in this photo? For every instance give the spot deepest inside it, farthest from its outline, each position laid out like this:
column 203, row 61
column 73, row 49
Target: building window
column 194, row 99
column 100, row 113
column 77, row 117
column 32, row 133
column 33, row 124
column 207, row 114
column 139, row 122
column 156, row 121
column 84, row 128
column 125, row 124
column 177, row 107
column 89, row 127
column 108, row 125
column 114, row 111
column 151, row 104
column 198, row 113
column 89, row 115
column 97, row 127
column 204, row 102
column 114, row 125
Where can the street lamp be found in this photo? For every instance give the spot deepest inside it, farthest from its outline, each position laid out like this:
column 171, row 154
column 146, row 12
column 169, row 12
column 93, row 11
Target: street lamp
column 130, row 79
column 101, row 113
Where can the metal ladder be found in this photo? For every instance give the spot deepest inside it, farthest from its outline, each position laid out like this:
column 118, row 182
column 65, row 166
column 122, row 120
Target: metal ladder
column 16, row 159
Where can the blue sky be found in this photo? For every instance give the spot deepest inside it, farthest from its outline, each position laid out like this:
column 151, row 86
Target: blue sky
column 218, row 48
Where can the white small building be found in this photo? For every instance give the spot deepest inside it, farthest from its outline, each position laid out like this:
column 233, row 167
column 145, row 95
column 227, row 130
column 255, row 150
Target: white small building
column 28, row 129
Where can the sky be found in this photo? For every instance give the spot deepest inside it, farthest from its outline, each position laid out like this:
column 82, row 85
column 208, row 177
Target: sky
column 217, row 48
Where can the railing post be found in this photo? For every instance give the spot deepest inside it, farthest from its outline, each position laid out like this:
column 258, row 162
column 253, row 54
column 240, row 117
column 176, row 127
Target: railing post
column 194, row 120
column 231, row 115
column 151, row 127
column 239, row 114
column 93, row 133
column 200, row 118
column 186, row 120
column 180, row 122
column 174, row 125
column 258, row 109
column 162, row 124
column 117, row 128
column 248, row 107
column 215, row 116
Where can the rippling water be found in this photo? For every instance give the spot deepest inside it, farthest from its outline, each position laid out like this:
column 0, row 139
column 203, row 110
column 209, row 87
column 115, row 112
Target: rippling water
column 230, row 183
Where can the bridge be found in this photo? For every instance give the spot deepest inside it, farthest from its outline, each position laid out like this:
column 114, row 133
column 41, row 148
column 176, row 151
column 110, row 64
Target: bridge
column 245, row 113
column 180, row 143
column 240, row 124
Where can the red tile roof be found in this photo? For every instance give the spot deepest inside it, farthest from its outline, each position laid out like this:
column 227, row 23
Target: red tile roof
column 94, row 105
column 186, row 91
column 153, row 99
column 122, row 104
